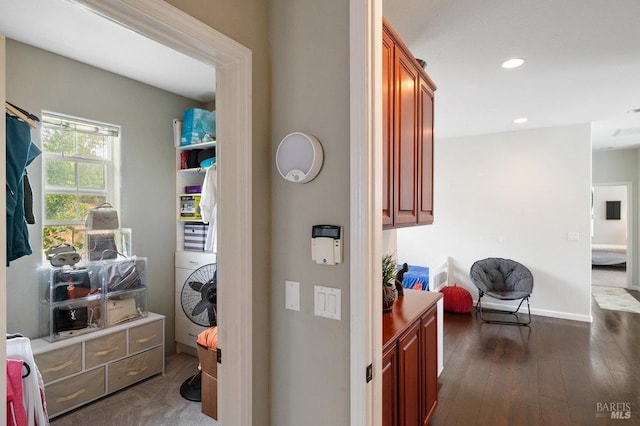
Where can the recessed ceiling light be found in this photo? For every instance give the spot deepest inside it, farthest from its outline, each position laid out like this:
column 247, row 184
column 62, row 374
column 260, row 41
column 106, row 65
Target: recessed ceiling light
column 513, row 63
column 520, row 120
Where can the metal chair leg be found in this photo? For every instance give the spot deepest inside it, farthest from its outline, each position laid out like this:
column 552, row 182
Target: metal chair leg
column 503, row 312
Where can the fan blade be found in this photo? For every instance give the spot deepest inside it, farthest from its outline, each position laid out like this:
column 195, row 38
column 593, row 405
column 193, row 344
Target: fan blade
column 200, row 307
column 195, row 285
column 211, row 311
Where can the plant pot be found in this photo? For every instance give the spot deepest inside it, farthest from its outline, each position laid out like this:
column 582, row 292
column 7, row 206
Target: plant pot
column 389, row 296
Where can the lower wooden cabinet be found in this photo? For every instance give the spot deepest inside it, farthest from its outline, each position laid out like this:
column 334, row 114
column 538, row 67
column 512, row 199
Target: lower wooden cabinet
column 82, row 369
column 390, row 387
column 429, row 367
column 410, row 360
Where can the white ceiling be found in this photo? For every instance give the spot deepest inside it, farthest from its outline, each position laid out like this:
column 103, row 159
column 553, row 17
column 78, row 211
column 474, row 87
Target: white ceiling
column 583, row 63
column 62, row 27
column 583, row 59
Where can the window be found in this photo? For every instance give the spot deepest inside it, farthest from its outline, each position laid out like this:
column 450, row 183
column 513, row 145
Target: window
column 80, row 171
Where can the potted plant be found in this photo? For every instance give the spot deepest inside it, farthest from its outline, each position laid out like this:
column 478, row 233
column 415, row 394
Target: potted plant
column 389, row 292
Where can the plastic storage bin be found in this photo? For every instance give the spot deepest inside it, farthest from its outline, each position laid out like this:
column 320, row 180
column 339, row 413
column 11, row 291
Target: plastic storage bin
column 107, row 244
column 80, row 300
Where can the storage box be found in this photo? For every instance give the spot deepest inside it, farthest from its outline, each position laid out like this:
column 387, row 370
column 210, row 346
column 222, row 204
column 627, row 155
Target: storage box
column 208, row 361
column 107, row 244
column 190, row 207
column 193, row 189
column 198, row 126
column 195, row 236
column 209, row 381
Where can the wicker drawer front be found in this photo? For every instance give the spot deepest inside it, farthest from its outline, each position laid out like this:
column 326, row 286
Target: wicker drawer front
column 74, row 391
column 60, row 363
column 104, row 349
column 145, row 336
column 130, row 370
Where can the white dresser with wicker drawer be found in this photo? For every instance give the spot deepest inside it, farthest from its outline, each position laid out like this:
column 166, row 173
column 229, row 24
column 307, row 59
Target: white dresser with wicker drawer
column 84, row 368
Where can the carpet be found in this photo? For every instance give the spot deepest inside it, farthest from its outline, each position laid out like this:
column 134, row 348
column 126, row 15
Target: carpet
column 616, row 299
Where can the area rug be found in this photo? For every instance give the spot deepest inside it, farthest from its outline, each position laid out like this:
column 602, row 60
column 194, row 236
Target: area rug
column 616, row 299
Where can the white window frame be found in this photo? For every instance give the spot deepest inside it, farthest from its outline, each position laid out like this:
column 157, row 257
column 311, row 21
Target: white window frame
column 112, row 171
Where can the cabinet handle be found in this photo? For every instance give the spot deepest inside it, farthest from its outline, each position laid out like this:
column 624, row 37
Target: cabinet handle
column 136, row 372
column 57, row 367
column 70, row 397
column 193, row 262
column 106, row 351
column 146, row 339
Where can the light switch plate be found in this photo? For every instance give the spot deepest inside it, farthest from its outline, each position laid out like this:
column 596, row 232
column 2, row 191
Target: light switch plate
column 327, row 302
column 292, row 295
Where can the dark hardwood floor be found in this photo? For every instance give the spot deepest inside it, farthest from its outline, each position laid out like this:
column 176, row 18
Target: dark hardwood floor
column 555, row 372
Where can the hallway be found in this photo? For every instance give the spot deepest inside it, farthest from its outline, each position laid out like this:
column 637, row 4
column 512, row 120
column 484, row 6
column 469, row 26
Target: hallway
column 557, row 372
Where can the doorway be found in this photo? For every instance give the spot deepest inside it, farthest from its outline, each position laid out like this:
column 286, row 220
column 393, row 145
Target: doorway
column 161, row 22
column 611, row 238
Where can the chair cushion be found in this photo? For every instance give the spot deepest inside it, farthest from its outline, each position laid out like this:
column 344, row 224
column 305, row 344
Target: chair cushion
column 457, row 299
column 502, row 278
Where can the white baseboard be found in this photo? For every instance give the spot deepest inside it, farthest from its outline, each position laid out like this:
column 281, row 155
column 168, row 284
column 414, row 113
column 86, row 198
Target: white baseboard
column 540, row 312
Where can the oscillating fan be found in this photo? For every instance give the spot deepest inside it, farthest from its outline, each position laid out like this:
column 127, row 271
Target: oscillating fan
column 199, row 303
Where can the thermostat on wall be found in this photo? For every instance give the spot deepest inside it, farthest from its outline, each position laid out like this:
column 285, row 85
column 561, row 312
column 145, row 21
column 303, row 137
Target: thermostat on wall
column 299, row 157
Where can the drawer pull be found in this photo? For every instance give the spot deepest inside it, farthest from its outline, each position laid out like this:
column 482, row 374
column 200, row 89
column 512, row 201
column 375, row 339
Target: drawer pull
column 146, row 339
column 57, row 367
column 106, row 351
column 70, row 397
column 136, row 372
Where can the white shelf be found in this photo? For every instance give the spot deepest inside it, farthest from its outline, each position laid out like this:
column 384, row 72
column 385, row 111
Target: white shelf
column 202, row 145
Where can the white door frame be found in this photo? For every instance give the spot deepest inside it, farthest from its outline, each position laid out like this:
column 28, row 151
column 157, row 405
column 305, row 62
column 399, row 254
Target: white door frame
column 170, row 26
column 3, row 231
column 365, row 37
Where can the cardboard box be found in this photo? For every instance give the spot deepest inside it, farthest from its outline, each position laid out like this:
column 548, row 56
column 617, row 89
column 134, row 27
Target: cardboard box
column 209, row 391
column 209, row 366
column 208, row 361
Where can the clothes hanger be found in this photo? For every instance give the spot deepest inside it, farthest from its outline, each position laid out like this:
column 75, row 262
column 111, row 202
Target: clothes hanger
column 29, row 118
column 27, row 369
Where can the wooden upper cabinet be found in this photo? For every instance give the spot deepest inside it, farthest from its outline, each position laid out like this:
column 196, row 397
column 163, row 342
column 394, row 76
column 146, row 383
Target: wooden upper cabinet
column 405, row 141
column 425, row 154
column 407, row 136
column 387, row 129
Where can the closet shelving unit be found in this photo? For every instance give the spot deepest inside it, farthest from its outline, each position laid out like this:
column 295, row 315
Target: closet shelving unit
column 187, row 261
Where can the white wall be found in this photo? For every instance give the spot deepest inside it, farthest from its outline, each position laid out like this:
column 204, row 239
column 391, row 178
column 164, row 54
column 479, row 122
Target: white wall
column 609, row 231
column 310, row 86
column 514, row 195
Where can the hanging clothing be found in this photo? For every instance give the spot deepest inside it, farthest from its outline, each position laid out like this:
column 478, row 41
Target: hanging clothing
column 16, row 413
column 20, row 153
column 19, row 348
column 208, row 208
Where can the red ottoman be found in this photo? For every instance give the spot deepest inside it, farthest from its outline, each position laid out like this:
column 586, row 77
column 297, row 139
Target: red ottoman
column 457, row 299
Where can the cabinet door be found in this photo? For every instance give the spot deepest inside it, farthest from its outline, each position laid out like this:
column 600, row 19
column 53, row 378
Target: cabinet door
column 387, row 130
column 408, row 376
column 425, row 155
column 429, row 365
column 389, row 387
column 405, row 140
